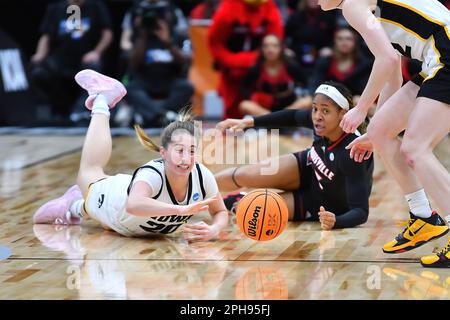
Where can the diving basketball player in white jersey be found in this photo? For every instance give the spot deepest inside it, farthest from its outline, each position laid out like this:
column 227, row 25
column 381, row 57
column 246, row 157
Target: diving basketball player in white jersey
column 159, row 198
column 419, row 30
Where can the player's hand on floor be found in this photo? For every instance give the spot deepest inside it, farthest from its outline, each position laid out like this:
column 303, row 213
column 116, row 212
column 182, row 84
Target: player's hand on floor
column 197, row 207
column 199, row 231
column 360, row 149
column 327, row 219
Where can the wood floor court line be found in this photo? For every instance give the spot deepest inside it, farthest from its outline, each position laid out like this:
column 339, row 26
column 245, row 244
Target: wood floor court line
column 211, row 260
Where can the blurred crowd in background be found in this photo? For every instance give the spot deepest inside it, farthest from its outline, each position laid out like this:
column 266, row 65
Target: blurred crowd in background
column 268, row 55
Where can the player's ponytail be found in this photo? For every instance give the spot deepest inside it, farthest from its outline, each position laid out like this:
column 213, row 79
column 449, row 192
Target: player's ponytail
column 145, row 140
column 184, row 123
column 186, row 115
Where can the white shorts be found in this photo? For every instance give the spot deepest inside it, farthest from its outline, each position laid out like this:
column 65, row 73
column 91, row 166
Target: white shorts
column 106, row 200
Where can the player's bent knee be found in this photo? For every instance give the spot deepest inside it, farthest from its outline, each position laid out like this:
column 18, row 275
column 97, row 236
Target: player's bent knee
column 412, row 151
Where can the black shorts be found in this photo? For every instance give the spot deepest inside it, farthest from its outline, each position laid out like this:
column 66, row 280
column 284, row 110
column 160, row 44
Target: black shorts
column 305, row 201
column 437, row 87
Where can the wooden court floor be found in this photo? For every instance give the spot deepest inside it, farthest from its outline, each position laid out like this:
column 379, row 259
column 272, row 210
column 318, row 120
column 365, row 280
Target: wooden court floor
column 85, row 262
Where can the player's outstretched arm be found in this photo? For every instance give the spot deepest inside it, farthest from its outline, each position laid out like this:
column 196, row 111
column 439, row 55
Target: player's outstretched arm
column 201, row 231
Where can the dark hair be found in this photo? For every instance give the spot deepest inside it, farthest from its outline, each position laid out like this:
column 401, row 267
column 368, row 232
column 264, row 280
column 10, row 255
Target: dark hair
column 357, row 50
column 349, row 96
column 260, row 60
column 185, row 123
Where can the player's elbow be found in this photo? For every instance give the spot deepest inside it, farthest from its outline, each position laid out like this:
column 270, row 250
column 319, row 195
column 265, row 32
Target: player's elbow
column 363, row 216
column 391, row 61
column 357, row 219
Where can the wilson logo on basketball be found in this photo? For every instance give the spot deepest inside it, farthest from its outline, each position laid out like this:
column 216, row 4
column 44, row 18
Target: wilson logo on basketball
column 253, row 223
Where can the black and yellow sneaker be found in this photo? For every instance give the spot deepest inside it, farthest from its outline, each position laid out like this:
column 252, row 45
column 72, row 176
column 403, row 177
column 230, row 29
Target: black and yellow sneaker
column 418, row 232
column 439, row 260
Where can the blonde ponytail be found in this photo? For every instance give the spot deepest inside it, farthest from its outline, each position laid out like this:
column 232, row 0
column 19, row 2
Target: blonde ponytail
column 145, row 140
column 185, row 114
column 185, row 122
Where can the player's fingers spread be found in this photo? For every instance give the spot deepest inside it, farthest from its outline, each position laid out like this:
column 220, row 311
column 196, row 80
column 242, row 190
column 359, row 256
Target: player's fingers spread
column 196, row 232
column 360, row 157
column 208, row 201
column 350, row 145
column 236, row 130
column 365, row 153
column 197, row 226
column 356, row 155
column 239, row 131
column 221, row 126
column 187, row 227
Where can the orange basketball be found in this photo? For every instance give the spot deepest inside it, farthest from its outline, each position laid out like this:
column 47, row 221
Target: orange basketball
column 260, row 283
column 262, row 215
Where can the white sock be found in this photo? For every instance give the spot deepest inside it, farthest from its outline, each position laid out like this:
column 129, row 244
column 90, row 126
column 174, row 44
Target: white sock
column 100, row 105
column 419, row 204
column 76, row 209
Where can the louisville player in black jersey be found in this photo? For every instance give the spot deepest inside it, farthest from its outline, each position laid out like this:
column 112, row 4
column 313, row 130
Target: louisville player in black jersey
column 419, row 30
column 319, row 183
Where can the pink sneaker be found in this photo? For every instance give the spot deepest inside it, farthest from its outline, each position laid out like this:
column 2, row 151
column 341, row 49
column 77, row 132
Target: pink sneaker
column 61, row 238
column 95, row 83
column 55, row 211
